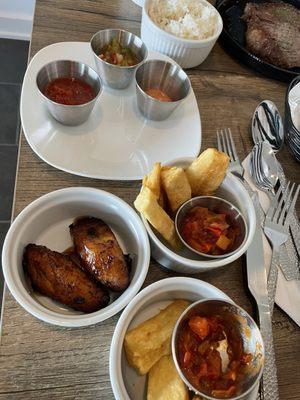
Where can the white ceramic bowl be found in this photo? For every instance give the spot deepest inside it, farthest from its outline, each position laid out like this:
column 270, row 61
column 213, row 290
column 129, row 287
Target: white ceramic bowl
column 186, row 52
column 186, row 261
column 46, row 221
column 125, row 382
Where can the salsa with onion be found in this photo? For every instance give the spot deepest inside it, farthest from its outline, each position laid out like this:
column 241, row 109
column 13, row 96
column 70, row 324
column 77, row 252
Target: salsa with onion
column 209, row 232
column 199, row 356
column 116, row 54
column 69, row 91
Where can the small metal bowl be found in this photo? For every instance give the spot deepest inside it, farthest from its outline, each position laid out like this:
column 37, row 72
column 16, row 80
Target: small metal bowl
column 69, row 114
column 219, row 206
column 116, row 76
column 165, row 76
column 243, row 326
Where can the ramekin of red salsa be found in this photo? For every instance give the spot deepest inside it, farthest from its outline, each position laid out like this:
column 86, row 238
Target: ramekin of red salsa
column 218, row 349
column 210, row 226
column 70, row 90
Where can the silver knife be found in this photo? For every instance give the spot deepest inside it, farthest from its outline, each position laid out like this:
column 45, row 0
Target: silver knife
column 257, row 283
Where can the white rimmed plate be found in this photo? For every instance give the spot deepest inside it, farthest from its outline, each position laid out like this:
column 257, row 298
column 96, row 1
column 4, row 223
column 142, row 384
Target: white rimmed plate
column 46, row 222
column 116, row 142
column 125, row 382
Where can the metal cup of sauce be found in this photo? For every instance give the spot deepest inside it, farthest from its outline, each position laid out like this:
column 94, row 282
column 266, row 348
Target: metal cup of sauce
column 161, row 87
column 219, row 206
column 241, row 343
column 66, row 71
column 113, row 75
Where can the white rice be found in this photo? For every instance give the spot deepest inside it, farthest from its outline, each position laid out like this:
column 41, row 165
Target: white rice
column 187, row 19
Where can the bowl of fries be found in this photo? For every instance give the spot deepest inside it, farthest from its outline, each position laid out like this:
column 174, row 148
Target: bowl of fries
column 167, row 187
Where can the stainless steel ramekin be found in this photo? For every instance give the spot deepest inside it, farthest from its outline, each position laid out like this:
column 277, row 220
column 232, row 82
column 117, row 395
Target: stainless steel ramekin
column 115, row 76
column 165, row 76
column 69, row 114
column 243, row 326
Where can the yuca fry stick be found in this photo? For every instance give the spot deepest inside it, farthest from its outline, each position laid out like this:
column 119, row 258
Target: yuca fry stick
column 207, row 172
column 146, row 203
column 149, row 341
column 153, row 180
column 176, row 186
column 164, row 383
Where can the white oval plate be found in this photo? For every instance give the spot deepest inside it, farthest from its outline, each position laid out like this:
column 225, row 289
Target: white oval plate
column 116, row 142
column 125, row 382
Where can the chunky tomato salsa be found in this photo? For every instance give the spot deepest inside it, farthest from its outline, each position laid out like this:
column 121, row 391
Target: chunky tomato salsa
column 209, row 232
column 69, row 91
column 200, row 342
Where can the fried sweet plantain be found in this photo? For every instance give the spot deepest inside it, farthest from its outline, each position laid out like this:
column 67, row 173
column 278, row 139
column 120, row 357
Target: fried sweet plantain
column 100, row 252
column 57, row 276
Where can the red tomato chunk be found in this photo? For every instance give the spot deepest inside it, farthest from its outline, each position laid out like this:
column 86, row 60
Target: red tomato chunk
column 208, row 232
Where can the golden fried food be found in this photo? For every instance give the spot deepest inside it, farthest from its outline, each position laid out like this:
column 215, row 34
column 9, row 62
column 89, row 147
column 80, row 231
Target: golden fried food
column 176, row 186
column 146, row 203
column 100, row 253
column 153, row 181
column 149, row 341
column 207, row 172
column 164, row 383
column 55, row 275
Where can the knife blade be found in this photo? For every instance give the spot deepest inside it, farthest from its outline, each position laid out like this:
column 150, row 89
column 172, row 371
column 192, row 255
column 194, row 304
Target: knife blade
column 257, row 283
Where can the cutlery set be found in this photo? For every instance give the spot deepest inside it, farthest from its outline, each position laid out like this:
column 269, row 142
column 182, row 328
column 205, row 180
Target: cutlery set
column 267, row 175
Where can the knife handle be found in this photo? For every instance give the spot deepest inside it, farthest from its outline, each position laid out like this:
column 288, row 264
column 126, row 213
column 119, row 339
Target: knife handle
column 272, row 279
column 269, row 378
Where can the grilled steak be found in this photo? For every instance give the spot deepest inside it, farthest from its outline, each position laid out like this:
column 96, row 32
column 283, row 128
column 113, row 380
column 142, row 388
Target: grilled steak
column 273, row 33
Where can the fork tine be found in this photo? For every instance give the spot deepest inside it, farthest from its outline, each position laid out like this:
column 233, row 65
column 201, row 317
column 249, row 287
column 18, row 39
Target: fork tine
column 219, row 141
column 229, row 152
column 274, row 203
column 235, row 155
column 292, row 206
column 286, row 204
column 223, row 143
column 279, row 206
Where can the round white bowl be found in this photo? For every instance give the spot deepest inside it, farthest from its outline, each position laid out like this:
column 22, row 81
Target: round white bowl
column 46, row 221
column 126, row 383
column 186, row 52
column 186, row 261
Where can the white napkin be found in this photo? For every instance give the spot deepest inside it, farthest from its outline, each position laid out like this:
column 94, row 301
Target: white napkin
column 294, row 102
column 288, row 292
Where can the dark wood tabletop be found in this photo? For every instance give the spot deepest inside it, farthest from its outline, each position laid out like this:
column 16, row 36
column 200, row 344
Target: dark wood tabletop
column 41, row 361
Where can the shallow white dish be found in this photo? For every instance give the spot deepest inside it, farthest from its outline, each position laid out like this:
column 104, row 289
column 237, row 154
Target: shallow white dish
column 186, row 261
column 116, row 142
column 126, row 383
column 46, row 221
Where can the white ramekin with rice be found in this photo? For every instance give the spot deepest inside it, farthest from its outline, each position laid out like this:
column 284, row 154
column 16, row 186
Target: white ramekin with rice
column 185, row 30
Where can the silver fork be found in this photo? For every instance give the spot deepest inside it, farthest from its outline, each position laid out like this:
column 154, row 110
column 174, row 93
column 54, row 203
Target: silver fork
column 226, row 145
column 276, row 228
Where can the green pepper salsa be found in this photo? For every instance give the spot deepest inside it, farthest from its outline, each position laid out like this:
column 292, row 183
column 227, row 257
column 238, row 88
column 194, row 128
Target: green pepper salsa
column 116, row 54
